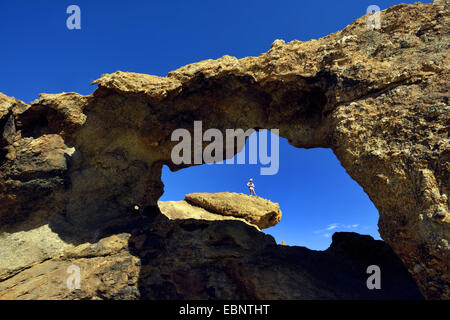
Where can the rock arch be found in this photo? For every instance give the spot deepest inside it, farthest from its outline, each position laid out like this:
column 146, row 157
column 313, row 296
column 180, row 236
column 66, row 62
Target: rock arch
column 377, row 98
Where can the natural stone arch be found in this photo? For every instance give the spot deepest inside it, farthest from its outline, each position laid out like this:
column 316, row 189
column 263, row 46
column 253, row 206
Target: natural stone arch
column 380, row 104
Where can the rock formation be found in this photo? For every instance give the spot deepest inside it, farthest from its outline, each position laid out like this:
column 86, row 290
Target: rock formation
column 228, row 259
column 253, row 210
column 73, row 167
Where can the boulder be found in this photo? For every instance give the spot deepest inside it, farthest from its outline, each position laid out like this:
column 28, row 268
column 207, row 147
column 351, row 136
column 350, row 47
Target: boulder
column 254, row 210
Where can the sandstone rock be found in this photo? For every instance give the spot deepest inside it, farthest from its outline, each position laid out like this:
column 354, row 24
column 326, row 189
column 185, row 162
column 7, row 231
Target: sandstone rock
column 184, row 210
column 78, row 165
column 253, row 209
column 198, row 259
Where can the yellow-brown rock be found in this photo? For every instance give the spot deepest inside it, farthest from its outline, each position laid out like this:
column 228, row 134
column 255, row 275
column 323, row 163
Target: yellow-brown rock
column 256, row 210
column 379, row 98
column 184, row 210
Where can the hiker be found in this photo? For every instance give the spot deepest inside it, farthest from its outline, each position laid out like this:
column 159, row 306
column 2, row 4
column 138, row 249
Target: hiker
column 251, row 186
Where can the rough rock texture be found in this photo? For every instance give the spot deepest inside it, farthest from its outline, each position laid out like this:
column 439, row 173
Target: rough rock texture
column 73, row 167
column 260, row 213
column 193, row 259
column 184, row 210
column 252, row 209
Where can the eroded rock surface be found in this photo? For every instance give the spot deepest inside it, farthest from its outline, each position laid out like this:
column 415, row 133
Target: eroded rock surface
column 73, row 167
column 256, row 211
column 193, row 259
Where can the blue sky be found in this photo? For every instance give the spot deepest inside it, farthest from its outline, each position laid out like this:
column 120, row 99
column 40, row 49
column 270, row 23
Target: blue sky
column 40, row 55
column 316, row 195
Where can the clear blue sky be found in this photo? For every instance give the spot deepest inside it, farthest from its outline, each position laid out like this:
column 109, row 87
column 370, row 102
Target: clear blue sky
column 40, row 55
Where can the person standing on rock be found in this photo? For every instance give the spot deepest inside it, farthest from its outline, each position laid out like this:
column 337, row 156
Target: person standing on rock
column 251, row 187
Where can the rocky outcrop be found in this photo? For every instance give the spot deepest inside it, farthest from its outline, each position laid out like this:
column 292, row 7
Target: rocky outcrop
column 73, row 167
column 199, row 259
column 254, row 210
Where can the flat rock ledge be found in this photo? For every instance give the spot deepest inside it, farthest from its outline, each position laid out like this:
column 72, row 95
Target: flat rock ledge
column 253, row 210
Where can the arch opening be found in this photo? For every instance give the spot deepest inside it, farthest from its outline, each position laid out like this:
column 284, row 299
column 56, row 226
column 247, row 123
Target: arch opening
column 316, row 195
